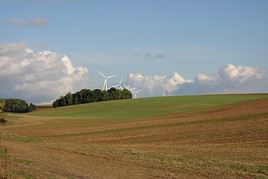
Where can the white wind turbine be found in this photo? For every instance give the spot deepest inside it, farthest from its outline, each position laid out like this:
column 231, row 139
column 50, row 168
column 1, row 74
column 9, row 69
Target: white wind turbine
column 128, row 88
column 119, row 84
column 136, row 92
column 105, row 83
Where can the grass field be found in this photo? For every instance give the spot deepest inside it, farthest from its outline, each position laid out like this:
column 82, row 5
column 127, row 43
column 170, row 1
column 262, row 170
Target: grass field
column 211, row 136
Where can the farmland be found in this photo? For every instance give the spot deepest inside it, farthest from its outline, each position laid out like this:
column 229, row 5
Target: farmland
column 209, row 136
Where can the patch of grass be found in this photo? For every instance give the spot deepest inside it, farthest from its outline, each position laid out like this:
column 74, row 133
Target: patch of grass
column 25, row 162
column 260, row 169
column 183, row 161
column 30, row 139
column 200, row 163
column 21, row 175
column 2, row 152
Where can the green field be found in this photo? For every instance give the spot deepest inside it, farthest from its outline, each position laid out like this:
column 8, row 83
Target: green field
column 146, row 107
column 209, row 136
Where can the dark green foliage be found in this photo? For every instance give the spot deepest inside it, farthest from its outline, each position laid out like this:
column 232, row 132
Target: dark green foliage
column 125, row 94
column 98, row 95
column 90, row 96
column 18, row 106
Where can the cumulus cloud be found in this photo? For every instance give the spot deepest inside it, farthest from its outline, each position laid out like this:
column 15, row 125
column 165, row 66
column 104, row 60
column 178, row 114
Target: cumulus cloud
column 32, row 22
column 228, row 79
column 157, row 84
column 37, row 76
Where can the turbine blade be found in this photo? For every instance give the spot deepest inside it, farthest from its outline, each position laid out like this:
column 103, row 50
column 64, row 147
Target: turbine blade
column 101, row 74
column 138, row 90
column 111, row 76
column 121, row 81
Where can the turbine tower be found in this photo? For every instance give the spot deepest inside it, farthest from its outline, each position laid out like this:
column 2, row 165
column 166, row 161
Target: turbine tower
column 105, row 83
column 136, row 92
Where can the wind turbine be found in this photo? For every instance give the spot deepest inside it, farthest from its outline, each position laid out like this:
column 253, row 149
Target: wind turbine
column 128, row 88
column 136, row 92
column 105, row 83
column 119, row 84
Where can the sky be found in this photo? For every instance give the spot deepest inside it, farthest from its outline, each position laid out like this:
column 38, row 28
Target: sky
column 173, row 47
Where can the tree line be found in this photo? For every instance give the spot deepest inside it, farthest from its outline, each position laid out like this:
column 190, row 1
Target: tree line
column 16, row 105
column 90, row 96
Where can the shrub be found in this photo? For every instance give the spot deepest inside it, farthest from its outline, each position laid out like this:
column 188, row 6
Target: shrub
column 17, row 105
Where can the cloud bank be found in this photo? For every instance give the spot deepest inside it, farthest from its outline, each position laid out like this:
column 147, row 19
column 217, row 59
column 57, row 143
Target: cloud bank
column 229, row 79
column 37, row 76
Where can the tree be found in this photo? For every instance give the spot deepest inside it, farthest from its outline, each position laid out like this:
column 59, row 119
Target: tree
column 113, row 94
column 32, row 107
column 98, row 95
column 126, row 94
column 69, row 98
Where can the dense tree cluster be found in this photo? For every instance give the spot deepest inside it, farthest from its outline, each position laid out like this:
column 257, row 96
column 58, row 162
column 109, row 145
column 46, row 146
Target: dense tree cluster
column 16, row 105
column 90, row 96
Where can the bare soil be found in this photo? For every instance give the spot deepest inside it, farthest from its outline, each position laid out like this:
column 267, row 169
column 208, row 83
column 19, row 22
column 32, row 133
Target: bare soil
column 221, row 142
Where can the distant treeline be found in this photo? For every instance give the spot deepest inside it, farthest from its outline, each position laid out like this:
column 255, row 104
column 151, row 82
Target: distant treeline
column 90, row 96
column 15, row 105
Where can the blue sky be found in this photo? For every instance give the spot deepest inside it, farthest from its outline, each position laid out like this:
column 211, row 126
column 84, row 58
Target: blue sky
column 144, row 36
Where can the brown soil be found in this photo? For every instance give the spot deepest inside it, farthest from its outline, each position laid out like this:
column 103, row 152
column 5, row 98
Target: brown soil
column 223, row 142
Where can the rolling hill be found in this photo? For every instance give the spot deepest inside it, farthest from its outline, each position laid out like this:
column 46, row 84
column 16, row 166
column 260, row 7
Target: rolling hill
column 209, row 136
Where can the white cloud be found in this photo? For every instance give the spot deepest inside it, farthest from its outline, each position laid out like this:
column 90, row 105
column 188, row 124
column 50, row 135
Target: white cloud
column 240, row 74
column 37, row 76
column 156, row 84
column 228, row 79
